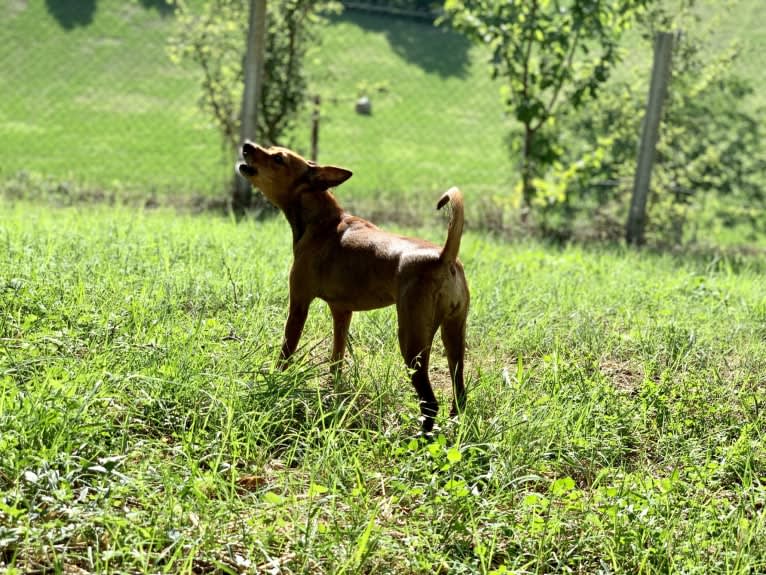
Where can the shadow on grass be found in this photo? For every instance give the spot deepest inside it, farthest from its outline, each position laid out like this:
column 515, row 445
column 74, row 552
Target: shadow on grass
column 436, row 50
column 73, row 13
column 162, row 6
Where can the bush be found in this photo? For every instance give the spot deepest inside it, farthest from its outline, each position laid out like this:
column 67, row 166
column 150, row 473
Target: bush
column 710, row 162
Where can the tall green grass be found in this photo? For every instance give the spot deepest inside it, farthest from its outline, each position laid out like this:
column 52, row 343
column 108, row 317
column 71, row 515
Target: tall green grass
column 614, row 423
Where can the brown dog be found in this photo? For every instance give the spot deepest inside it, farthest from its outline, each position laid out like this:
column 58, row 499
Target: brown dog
column 354, row 266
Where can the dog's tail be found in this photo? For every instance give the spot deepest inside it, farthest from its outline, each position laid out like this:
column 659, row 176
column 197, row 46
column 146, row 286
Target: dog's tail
column 455, row 231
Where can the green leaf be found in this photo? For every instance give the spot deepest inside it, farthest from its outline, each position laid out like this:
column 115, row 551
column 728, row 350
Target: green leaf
column 362, row 545
column 532, row 499
column 454, row 455
column 456, row 487
column 317, row 489
column 273, row 498
column 562, row 486
column 434, row 449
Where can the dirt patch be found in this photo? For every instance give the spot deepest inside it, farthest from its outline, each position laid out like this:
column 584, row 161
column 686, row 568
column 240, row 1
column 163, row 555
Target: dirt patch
column 625, row 375
column 440, row 379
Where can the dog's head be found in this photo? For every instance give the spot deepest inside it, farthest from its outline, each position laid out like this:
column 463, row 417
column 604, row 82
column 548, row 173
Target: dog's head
column 282, row 175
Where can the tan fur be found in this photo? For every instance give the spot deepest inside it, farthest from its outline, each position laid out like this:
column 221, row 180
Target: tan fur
column 355, row 266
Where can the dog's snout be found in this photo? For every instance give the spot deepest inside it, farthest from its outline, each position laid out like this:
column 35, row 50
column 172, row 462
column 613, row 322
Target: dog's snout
column 246, row 170
column 248, row 149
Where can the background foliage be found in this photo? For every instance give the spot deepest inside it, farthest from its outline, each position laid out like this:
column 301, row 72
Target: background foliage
column 551, row 58
column 97, row 87
column 711, row 156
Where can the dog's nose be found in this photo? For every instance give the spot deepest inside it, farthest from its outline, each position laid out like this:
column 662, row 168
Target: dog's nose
column 247, row 149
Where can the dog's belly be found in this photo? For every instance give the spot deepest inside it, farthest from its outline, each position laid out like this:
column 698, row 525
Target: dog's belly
column 365, row 304
column 358, row 293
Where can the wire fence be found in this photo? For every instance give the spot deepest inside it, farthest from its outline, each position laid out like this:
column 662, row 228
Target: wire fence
column 414, row 109
column 91, row 99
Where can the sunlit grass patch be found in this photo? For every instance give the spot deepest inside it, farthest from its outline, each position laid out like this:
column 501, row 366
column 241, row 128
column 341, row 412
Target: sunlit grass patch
column 614, row 413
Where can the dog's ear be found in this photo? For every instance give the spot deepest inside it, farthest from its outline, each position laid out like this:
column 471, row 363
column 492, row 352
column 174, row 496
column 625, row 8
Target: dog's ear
column 325, row 177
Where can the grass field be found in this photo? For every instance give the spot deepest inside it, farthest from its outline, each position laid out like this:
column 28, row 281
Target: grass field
column 437, row 119
column 91, row 99
column 615, row 418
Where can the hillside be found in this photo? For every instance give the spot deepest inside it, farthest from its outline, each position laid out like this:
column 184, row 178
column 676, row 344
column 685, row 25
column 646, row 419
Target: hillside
column 91, row 98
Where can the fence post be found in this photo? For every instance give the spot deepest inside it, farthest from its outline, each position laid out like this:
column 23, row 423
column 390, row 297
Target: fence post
column 315, row 115
column 663, row 50
column 251, row 98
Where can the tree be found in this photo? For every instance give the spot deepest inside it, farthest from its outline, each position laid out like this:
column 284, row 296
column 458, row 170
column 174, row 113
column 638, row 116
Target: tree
column 554, row 55
column 213, row 36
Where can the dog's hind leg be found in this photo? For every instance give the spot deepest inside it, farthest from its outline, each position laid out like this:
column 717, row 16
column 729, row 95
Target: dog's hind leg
column 453, row 337
column 415, row 337
column 418, row 363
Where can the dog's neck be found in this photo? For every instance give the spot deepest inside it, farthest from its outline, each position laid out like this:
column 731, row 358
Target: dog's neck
column 312, row 208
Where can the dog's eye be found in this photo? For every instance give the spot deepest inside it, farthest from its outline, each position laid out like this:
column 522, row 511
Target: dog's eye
column 279, row 159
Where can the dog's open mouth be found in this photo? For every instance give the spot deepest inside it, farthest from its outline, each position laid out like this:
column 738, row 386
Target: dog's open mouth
column 246, row 170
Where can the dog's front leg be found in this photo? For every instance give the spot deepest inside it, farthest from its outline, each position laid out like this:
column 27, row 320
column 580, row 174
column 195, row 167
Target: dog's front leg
column 296, row 319
column 341, row 320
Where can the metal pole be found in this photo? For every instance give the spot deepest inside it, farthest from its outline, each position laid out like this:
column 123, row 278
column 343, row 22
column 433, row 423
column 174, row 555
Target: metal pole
column 251, row 97
column 315, row 129
column 663, row 50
